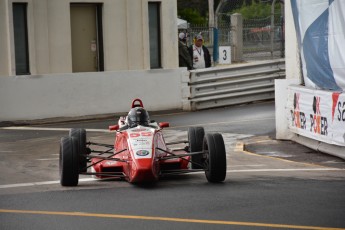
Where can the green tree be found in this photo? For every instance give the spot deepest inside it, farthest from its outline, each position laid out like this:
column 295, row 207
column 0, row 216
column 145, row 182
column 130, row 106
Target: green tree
column 192, row 16
column 256, row 10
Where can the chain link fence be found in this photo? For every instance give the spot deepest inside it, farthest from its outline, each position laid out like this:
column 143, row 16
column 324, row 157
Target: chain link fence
column 260, row 41
column 263, row 37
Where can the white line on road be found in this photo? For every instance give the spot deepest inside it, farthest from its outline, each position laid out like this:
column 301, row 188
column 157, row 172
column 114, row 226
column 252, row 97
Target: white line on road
column 286, row 170
column 107, row 131
column 233, row 166
column 48, row 159
column 229, row 171
column 50, row 129
column 39, row 183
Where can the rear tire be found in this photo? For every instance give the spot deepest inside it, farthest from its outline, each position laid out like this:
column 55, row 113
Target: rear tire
column 69, row 160
column 80, row 135
column 195, row 139
column 215, row 158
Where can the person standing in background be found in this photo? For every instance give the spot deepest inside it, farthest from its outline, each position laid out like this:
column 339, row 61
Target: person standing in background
column 183, row 54
column 199, row 53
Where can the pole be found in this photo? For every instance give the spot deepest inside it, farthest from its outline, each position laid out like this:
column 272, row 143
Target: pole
column 215, row 46
column 272, row 28
column 211, row 19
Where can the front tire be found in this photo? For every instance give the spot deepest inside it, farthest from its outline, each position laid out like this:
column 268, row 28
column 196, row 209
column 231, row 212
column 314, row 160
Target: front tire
column 195, row 139
column 80, row 135
column 215, row 158
column 69, row 161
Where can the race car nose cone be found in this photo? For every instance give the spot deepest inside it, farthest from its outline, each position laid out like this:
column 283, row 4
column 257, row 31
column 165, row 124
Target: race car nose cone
column 143, row 171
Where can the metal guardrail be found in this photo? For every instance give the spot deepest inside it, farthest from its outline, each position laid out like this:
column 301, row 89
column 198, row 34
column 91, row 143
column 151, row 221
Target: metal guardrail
column 217, row 87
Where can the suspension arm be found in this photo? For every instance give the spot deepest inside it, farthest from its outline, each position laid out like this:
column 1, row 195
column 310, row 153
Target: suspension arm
column 180, row 156
column 100, row 144
column 108, row 158
column 177, row 142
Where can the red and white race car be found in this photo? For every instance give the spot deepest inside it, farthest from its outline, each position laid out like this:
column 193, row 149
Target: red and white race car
column 140, row 154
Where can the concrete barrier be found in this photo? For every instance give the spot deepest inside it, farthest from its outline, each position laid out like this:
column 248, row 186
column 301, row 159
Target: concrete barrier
column 81, row 94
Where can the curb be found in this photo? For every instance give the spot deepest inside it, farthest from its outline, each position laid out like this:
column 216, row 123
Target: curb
column 319, row 146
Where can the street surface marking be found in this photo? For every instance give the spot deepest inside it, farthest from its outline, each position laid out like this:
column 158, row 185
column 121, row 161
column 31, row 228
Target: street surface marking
column 333, row 162
column 40, row 183
column 107, row 131
column 240, row 148
column 286, row 170
column 234, row 166
column 48, row 159
column 201, row 172
column 278, row 158
column 50, row 129
column 167, row 219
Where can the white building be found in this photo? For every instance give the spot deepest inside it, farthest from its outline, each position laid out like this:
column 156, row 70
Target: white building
column 108, row 51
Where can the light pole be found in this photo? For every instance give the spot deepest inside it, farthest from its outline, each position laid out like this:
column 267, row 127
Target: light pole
column 217, row 12
column 210, row 13
column 272, row 28
column 210, row 19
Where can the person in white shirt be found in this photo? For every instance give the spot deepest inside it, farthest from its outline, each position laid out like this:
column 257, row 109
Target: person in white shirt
column 200, row 54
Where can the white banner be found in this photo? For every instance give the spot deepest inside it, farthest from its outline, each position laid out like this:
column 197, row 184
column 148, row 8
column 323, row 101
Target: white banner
column 317, row 114
column 320, row 32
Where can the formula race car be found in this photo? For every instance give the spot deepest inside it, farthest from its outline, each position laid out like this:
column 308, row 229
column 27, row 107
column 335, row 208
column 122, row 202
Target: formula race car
column 139, row 153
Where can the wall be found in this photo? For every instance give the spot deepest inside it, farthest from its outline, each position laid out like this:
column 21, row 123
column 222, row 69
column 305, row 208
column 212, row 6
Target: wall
column 71, row 95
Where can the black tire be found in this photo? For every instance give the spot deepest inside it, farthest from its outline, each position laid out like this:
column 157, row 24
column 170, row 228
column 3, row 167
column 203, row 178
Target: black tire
column 69, row 160
column 80, row 135
column 195, row 139
column 216, row 158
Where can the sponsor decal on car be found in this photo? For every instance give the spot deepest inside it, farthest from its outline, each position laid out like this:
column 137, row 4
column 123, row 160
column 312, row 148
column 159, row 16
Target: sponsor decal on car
column 139, row 130
column 142, row 153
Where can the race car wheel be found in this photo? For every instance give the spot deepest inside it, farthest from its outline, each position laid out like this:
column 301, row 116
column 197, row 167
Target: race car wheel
column 69, row 161
column 195, row 139
column 215, row 161
column 80, row 135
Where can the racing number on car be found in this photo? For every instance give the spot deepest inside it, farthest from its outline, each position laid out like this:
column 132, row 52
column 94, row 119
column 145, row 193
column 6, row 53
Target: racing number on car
column 135, row 135
column 144, row 134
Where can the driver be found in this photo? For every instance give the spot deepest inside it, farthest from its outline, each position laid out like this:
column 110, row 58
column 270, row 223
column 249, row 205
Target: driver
column 138, row 116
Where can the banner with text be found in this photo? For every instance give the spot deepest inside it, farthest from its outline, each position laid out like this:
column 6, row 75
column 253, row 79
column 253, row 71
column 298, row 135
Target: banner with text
column 317, row 114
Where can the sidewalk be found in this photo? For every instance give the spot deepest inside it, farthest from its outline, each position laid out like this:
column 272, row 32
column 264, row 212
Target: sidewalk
column 290, row 150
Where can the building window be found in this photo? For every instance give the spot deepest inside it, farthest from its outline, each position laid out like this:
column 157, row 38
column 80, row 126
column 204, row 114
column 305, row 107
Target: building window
column 21, row 47
column 155, row 39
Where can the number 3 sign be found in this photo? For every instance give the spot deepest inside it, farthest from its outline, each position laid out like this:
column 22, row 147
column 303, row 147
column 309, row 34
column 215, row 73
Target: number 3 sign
column 224, row 55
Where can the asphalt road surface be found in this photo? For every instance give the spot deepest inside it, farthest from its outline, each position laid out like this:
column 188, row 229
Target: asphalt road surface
column 270, row 185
